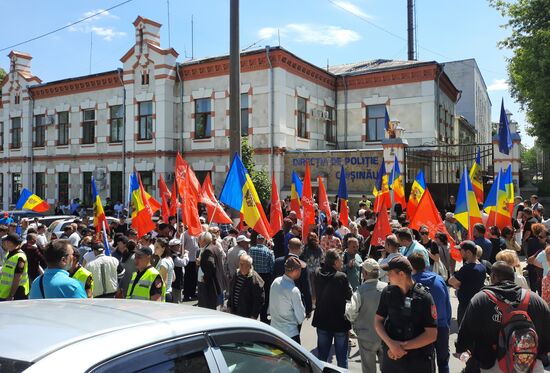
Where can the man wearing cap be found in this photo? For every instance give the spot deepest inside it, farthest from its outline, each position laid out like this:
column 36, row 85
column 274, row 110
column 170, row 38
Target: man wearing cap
column 14, row 278
column 264, row 261
column 361, row 312
column 232, row 259
column 450, row 224
column 55, row 282
column 406, row 321
column 125, row 254
column 106, row 272
column 469, row 279
column 146, row 283
column 285, row 304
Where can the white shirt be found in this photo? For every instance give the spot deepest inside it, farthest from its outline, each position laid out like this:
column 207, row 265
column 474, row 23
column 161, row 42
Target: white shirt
column 104, row 273
column 168, row 264
column 383, row 275
column 42, row 240
column 74, row 239
column 285, row 306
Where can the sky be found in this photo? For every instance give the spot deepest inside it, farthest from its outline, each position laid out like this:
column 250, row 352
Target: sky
column 320, row 31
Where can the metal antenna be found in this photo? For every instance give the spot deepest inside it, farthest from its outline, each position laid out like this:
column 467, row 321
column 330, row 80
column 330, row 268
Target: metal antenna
column 192, row 38
column 168, row 9
column 91, row 44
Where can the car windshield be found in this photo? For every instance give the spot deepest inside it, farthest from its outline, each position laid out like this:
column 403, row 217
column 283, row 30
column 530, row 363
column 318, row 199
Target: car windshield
column 13, row 366
column 53, row 225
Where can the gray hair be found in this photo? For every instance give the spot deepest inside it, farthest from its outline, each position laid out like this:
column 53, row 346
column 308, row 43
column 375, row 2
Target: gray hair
column 205, row 238
column 246, row 257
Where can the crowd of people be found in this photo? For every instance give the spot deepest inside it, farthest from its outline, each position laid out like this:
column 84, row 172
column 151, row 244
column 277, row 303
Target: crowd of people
column 393, row 301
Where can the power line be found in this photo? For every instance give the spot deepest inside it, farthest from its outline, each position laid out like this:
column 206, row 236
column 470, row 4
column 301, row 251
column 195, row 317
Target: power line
column 67, row 26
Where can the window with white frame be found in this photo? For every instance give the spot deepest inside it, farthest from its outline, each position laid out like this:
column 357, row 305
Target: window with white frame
column 88, row 126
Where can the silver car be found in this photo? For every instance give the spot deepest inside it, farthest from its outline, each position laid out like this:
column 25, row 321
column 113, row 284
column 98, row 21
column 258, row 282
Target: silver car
column 118, row 335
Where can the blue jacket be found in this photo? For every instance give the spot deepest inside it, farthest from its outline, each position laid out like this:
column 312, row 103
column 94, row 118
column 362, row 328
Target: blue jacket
column 440, row 294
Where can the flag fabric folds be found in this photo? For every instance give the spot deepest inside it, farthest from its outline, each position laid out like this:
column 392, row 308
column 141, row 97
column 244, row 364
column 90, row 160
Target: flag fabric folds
column 509, row 184
column 343, row 198
column 308, row 204
column 189, row 189
column 504, row 135
column 490, row 205
column 382, row 227
column 174, row 203
column 324, row 205
column 417, row 190
column 502, row 215
column 467, row 210
column 238, row 192
column 428, row 215
column 381, row 189
column 100, row 220
column 386, row 119
column 215, row 211
column 142, row 213
column 396, row 184
column 165, row 196
column 275, row 212
column 296, row 195
column 475, row 176
column 30, row 201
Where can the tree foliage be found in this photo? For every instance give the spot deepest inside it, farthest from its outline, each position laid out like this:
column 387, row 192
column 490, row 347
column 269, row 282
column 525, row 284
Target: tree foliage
column 260, row 178
column 529, row 66
column 2, row 74
column 529, row 157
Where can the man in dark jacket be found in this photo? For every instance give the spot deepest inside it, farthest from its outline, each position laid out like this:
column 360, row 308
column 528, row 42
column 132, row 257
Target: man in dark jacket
column 333, row 290
column 208, row 285
column 480, row 327
column 246, row 290
column 35, row 257
column 295, row 249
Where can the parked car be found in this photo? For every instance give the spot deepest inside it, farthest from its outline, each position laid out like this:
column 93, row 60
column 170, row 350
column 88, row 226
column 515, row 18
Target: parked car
column 47, row 220
column 120, row 335
column 56, row 228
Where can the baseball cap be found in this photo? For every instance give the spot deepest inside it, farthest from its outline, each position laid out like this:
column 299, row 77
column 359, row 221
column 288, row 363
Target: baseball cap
column 469, row 246
column 293, row 263
column 370, row 265
column 400, row 263
column 13, row 238
column 144, row 250
column 174, row 242
column 243, row 238
column 449, row 215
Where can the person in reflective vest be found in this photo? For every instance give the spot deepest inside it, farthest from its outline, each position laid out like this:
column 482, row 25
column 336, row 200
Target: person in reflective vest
column 146, row 283
column 14, row 278
column 82, row 275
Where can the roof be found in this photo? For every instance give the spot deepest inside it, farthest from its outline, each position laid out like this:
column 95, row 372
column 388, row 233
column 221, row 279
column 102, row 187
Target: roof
column 68, row 80
column 375, row 65
column 83, row 323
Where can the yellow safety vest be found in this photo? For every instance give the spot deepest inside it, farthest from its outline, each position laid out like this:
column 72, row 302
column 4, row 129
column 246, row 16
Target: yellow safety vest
column 8, row 273
column 142, row 289
column 82, row 275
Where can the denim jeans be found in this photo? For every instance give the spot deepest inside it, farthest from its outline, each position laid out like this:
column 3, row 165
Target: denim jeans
column 442, row 349
column 341, row 341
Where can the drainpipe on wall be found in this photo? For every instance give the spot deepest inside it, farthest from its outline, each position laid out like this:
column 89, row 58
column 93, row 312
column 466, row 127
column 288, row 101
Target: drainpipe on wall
column 121, row 77
column 345, row 112
column 335, row 119
column 272, row 112
column 31, row 114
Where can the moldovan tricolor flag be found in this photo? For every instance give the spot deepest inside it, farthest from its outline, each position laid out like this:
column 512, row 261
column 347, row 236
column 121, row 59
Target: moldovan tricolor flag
column 381, row 189
column 475, row 176
column 509, row 185
column 100, row 220
column 396, row 184
column 30, row 201
column 308, row 204
column 275, row 212
column 427, row 214
column 343, row 198
column 296, row 195
column 417, row 190
column 142, row 214
column 324, row 205
column 238, row 192
column 215, row 211
column 467, row 210
column 490, row 205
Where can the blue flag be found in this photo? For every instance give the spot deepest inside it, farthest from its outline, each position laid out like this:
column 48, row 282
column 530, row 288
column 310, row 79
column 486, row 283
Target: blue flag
column 343, row 188
column 504, row 136
column 386, row 119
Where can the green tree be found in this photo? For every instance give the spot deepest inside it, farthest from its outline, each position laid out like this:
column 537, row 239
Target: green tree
column 528, row 157
column 260, row 178
column 529, row 66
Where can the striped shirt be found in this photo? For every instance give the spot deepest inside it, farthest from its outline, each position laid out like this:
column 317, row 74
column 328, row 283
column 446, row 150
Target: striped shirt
column 263, row 258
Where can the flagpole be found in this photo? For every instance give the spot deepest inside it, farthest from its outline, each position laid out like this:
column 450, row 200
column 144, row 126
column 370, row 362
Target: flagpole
column 213, row 213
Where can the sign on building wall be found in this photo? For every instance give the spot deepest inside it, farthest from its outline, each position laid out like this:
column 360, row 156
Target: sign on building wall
column 361, row 168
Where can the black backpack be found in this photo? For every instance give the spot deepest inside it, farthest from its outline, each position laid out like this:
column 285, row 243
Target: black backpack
column 518, row 341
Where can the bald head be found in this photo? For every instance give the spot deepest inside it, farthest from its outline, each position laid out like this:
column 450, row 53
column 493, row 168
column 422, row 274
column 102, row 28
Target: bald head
column 502, row 271
column 295, row 246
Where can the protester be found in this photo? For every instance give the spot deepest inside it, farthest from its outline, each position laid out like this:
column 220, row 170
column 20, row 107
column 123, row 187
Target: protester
column 534, row 246
column 146, row 283
column 391, row 250
column 469, row 279
column 232, row 259
column 35, row 257
column 190, row 277
column 481, row 241
column 264, row 262
column 333, row 290
column 180, row 261
column 125, row 254
column 429, row 244
column 82, row 275
column 444, row 256
column 361, row 312
column 510, row 257
column 55, row 282
column 509, row 239
column 246, row 290
column 484, row 319
column 352, row 263
column 437, row 288
column 14, row 277
column 208, row 285
column 406, row 321
column 450, row 225
column 285, row 304
column 409, row 245
column 330, row 241
column 314, row 257
column 165, row 265
column 106, row 271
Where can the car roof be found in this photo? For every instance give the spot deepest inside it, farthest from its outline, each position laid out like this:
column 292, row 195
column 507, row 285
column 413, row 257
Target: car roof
column 34, row 329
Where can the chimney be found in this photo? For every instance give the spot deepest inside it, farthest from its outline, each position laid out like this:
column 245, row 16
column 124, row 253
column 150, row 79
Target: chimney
column 20, row 62
column 147, row 31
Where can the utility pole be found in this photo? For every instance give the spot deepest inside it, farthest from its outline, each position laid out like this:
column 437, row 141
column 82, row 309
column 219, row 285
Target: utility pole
column 234, row 81
column 410, row 30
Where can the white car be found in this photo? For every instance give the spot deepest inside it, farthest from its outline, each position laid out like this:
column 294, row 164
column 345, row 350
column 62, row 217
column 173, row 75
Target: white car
column 119, row 335
column 55, row 230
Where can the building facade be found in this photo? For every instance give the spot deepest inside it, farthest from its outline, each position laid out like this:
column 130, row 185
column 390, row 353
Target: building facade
column 54, row 136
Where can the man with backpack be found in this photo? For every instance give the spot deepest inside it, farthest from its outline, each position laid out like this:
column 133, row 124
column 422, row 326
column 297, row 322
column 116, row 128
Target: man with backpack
column 505, row 328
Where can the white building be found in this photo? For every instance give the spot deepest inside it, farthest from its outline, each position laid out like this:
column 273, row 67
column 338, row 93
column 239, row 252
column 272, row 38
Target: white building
column 54, row 136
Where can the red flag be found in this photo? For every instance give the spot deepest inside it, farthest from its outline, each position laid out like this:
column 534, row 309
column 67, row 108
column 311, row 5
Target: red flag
column 212, row 204
column 428, row 215
column 165, row 196
column 344, row 212
column 190, row 210
column 308, row 204
column 182, row 171
column 382, row 227
column 275, row 212
column 324, row 205
column 143, row 219
column 174, row 204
